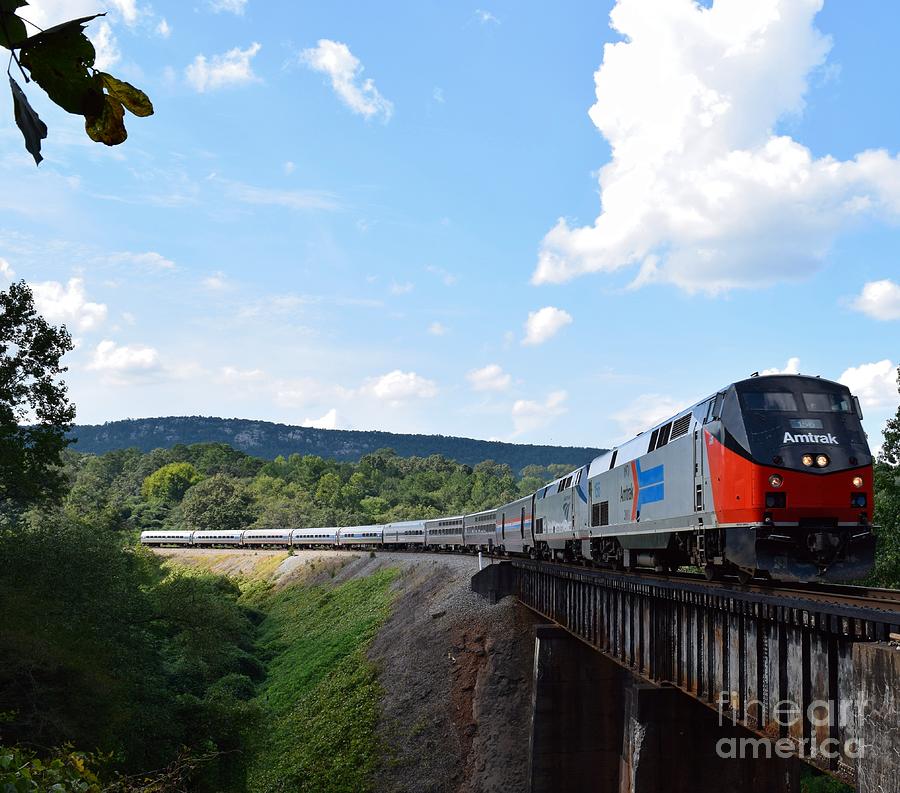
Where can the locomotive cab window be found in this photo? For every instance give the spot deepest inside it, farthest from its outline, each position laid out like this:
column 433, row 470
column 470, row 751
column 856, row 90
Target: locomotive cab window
column 827, row 403
column 769, row 400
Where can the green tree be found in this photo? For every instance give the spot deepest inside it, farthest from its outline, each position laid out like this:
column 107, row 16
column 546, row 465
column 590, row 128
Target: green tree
column 328, row 491
column 887, row 505
column 170, row 482
column 61, row 61
column 35, row 412
column 220, row 502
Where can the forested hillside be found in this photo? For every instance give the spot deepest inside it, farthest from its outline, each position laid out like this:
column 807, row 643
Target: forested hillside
column 215, row 486
column 268, row 440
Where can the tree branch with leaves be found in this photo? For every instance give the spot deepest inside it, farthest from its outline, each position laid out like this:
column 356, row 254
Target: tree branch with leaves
column 61, row 61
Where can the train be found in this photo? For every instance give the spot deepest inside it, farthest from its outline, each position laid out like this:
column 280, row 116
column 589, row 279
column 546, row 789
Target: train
column 770, row 477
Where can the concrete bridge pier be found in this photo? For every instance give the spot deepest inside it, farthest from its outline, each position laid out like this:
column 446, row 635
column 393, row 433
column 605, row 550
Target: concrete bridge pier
column 672, row 744
column 595, row 729
column 576, row 722
column 875, row 715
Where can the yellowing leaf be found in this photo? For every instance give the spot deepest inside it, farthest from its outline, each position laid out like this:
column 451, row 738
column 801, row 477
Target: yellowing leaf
column 133, row 98
column 109, row 126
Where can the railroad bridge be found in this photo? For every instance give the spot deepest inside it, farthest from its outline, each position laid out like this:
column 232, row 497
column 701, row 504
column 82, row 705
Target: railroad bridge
column 647, row 683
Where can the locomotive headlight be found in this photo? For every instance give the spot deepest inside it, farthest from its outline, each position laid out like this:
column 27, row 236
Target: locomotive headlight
column 857, row 482
column 821, row 460
column 776, row 480
column 807, row 460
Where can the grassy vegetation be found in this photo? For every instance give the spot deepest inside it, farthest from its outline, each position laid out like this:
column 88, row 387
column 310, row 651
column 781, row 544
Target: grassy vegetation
column 812, row 781
column 321, row 695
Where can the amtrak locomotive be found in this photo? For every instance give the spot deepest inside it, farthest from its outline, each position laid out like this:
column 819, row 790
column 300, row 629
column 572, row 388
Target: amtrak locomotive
column 770, row 477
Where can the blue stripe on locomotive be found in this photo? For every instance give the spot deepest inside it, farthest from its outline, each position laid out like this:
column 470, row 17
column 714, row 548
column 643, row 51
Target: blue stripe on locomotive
column 651, row 484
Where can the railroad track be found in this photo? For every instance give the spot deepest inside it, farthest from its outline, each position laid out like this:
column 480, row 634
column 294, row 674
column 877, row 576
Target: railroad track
column 887, row 600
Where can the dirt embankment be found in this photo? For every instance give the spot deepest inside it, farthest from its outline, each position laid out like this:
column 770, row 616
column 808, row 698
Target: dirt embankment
column 456, row 671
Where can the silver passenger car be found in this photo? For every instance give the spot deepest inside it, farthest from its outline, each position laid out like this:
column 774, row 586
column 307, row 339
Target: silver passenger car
column 360, row 535
column 404, row 534
column 514, row 525
column 444, row 533
column 262, row 537
column 166, row 537
column 217, row 537
column 479, row 529
column 561, row 512
column 313, row 538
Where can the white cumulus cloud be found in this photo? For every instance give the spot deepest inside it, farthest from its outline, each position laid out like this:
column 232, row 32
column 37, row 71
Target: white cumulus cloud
column 47, row 13
column 700, row 192
column 874, row 383
column 398, row 386
column 529, row 415
column 106, row 46
column 344, row 69
column 327, row 422
column 545, row 323
column 791, row 367
column 164, row 29
column 221, row 71
column 68, row 304
column 122, row 359
column 437, row 329
column 6, row 269
column 879, row 299
column 489, row 378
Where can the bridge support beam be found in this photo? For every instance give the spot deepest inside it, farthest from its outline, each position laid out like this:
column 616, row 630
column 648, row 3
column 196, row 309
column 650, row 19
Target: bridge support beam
column 576, row 726
column 675, row 745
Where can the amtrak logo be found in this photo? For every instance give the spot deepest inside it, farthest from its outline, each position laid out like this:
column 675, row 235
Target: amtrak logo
column 810, row 438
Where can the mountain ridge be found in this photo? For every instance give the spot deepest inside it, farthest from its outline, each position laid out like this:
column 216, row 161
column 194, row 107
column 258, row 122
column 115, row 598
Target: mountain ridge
column 269, row 439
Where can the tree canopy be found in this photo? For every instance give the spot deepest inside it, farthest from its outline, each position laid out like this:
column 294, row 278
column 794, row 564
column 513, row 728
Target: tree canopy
column 170, row 482
column 887, row 504
column 35, row 412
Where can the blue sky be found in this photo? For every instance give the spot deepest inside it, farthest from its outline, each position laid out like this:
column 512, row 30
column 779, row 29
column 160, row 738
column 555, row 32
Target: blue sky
column 388, row 216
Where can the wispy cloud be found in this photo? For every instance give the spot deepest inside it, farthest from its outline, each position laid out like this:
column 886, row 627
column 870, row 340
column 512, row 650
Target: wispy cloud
column 489, row 378
column 236, row 7
column 446, row 276
column 486, row 17
column 343, row 68
column 150, row 260
column 402, row 288
column 298, row 200
column 529, row 415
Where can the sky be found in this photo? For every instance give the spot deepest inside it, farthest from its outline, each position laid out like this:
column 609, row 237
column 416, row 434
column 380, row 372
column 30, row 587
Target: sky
column 551, row 223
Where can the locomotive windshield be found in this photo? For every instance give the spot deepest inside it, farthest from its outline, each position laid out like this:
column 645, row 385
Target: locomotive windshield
column 779, row 419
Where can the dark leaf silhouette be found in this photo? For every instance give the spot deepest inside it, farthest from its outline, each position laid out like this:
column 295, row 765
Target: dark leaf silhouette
column 33, row 129
column 58, row 60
